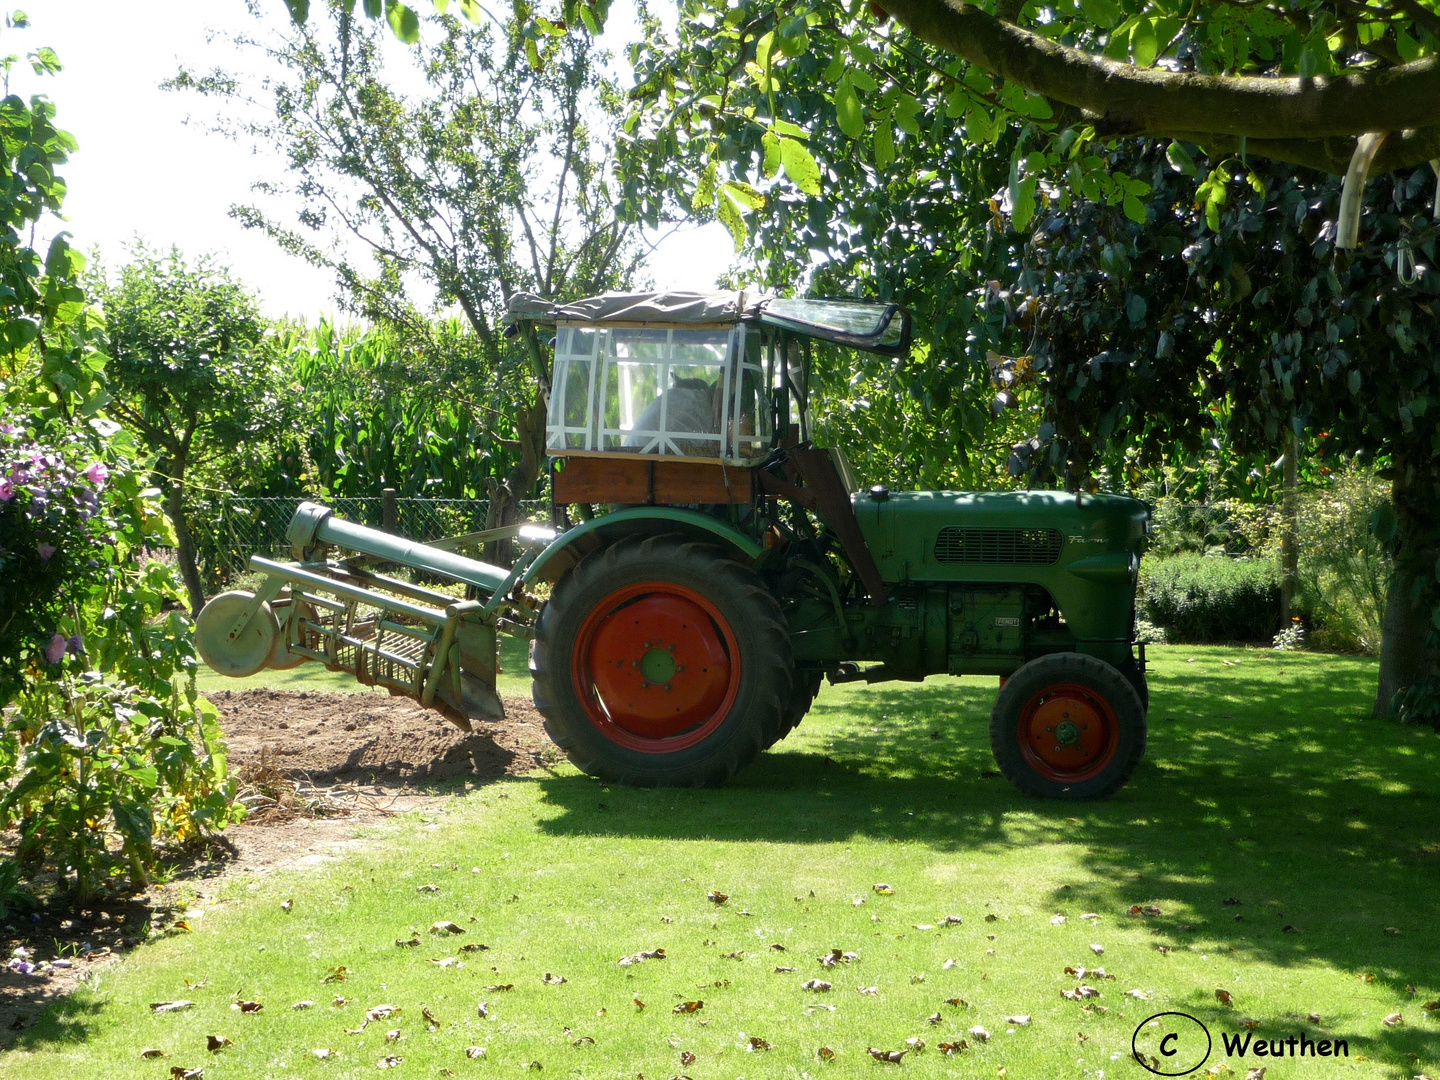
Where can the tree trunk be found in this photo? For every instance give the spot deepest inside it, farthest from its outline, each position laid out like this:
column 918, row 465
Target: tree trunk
column 1289, row 550
column 505, row 495
column 1408, row 650
column 184, row 544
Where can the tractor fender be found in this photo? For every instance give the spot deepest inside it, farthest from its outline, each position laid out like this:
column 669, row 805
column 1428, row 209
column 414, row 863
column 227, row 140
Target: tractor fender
column 575, row 543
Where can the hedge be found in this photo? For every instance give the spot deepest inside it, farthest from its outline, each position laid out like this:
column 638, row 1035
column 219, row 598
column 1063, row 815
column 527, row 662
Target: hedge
column 1200, row 598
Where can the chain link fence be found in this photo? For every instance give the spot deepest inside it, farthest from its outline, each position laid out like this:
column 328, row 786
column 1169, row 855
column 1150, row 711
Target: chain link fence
column 243, row 527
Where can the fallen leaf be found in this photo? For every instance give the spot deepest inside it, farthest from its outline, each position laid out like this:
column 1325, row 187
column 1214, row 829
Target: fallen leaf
column 826, row 1054
column 1393, row 1020
column 152, row 1052
column 483, row 1010
column 306, row 1004
column 650, row 954
column 500, row 988
column 475, row 1053
column 959, row 1003
column 1288, row 929
column 445, row 962
column 914, row 979
column 444, row 926
column 408, row 943
column 323, row 1052
column 951, row 920
column 782, row 970
column 1058, row 920
column 638, row 1003
column 979, row 1033
column 992, row 918
column 1162, row 948
column 247, row 1006
column 686, row 1058
column 915, row 1043
column 170, row 1006
column 1366, row 976
column 389, row 1061
column 427, row 888
column 934, row 1018
column 1314, row 1018
column 894, row 1057
column 216, row 1043
column 1089, row 915
column 554, row 980
column 818, row 985
column 687, row 1007
column 882, row 889
column 923, row 926
column 179, row 1072
column 1138, row 995
column 1098, row 950
column 1255, row 1074
column 337, row 974
column 1230, row 901
column 287, row 905
column 869, row 990
column 1018, row 1021
column 757, row 1043
column 584, row 1040
column 738, row 954
column 1224, row 997
column 339, row 1002
column 950, row 1048
column 183, row 927
column 947, row 965
column 358, row 1030
column 1392, row 930
column 717, row 897
column 394, row 1035
column 383, row 1012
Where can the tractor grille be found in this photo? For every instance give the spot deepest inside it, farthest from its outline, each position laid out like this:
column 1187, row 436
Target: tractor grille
column 1036, row 547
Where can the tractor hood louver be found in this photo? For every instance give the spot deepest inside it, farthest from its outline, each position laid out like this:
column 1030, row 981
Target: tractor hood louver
column 1033, row 547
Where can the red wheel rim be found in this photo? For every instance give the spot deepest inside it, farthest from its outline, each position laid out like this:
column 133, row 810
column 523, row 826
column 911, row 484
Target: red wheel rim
column 1068, row 733
column 656, row 667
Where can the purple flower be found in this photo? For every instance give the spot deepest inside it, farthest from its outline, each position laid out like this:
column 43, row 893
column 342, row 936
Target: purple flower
column 76, row 645
column 97, row 474
column 7, row 491
column 47, row 552
column 8, row 429
column 56, row 649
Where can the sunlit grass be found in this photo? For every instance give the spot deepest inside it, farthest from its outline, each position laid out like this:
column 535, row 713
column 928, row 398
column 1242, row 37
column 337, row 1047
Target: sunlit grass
column 1266, row 782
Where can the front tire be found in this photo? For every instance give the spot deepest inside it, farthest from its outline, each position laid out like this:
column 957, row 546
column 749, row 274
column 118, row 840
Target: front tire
column 1068, row 726
column 660, row 662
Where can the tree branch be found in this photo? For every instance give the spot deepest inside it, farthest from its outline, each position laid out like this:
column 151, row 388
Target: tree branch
column 1126, row 100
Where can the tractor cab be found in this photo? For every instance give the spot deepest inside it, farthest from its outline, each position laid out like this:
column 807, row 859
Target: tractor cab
column 718, row 379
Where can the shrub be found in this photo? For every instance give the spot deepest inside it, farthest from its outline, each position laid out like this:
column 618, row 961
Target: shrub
column 1198, row 598
column 1344, row 571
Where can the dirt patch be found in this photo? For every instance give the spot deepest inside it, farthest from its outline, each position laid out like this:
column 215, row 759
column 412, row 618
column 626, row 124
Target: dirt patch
column 336, row 760
column 329, row 739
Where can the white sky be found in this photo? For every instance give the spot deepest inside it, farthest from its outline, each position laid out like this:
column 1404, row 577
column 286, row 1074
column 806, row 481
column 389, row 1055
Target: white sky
column 142, row 171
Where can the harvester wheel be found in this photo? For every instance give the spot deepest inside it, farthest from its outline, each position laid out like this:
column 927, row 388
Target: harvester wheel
column 245, row 654
column 1068, row 726
column 803, row 689
column 660, row 662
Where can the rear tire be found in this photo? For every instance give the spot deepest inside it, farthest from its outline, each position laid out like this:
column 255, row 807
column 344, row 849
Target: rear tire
column 660, row 662
column 803, row 689
column 1068, row 726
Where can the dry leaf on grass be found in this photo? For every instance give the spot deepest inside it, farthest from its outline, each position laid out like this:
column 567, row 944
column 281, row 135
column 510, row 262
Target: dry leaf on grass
column 818, row 985
column 339, row 1002
column 554, row 980
column 216, row 1043
column 717, row 897
column 1393, row 1020
column 584, row 1040
column 427, row 888
column 979, row 1033
column 1224, row 997
column 1058, row 920
column 383, row 1012
column 170, row 1006
column 475, row 1053
column 1098, row 950
column 782, row 970
column 323, row 1052
column 959, row 1003
column 757, row 1043
column 894, row 1057
column 934, row 1018
column 951, row 1048
column 247, row 1006
column 870, row 991
column 688, row 1007
column 641, row 957
column 308, row 1003
column 1019, row 1021
column 394, row 1035
column 389, row 1061
column 500, row 988
column 882, row 889
column 686, row 1058
column 825, row 1053
column 445, row 926
column 445, row 962
column 179, row 1072
column 152, row 1052
column 483, row 1010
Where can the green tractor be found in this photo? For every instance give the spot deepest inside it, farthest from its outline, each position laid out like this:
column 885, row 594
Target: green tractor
column 708, row 566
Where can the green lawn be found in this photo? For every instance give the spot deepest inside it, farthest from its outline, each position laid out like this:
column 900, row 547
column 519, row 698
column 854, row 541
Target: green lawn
column 1266, row 782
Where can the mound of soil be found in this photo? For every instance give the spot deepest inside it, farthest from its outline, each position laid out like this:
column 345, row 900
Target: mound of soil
column 375, row 739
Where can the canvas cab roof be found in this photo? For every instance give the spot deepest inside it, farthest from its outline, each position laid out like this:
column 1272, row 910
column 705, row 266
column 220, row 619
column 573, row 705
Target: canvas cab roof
column 874, row 327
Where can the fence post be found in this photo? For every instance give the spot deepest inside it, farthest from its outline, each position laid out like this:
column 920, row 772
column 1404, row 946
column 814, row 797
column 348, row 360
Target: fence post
column 389, row 510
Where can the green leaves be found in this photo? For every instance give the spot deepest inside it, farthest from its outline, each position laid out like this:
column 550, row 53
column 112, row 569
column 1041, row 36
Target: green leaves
column 299, row 10
column 404, row 23
column 847, row 108
column 800, row 166
column 1211, row 194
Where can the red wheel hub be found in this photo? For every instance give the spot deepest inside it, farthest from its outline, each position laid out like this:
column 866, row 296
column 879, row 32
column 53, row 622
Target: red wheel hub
column 1068, row 733
column 656, row 667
